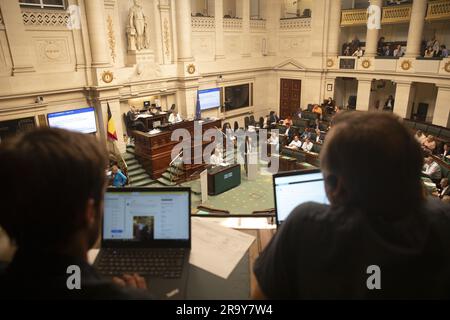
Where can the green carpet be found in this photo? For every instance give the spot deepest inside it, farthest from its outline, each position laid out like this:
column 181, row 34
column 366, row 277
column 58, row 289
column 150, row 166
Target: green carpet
column 248, row 197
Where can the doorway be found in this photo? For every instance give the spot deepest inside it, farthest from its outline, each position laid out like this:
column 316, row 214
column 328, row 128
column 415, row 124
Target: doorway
column 290, row 94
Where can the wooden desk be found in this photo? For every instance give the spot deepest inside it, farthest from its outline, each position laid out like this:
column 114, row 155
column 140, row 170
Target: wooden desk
column 153, row 151
column 149, row 121
column 221, row 179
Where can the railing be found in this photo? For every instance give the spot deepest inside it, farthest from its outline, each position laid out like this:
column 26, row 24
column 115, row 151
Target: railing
column 45, row 18
column 232, row 24
column 353, row 17
column 438, row 10
column 396, row 14
column 257, row 24
column 295, row 24
column 203, row 23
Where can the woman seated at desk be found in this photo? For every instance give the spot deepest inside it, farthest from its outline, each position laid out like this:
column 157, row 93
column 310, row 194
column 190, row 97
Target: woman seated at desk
column 295, row 144
column 175, row 117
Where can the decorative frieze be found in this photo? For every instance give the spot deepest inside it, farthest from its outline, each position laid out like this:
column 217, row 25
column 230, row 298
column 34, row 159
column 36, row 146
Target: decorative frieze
column 46, row 18
column 295, row 24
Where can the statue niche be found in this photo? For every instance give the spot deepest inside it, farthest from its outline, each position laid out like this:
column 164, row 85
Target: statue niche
column 138, row 30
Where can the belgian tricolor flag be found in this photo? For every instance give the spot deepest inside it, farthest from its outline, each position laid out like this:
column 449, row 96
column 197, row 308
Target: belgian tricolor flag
column 112, row 134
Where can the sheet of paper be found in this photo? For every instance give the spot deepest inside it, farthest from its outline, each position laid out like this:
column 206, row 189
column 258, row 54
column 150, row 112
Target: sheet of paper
column 217, row 249
column 247, row 223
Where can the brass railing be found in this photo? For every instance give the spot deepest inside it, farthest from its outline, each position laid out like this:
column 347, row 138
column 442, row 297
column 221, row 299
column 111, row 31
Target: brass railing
column 438, row 10
column 353, row 17
column 396, row 14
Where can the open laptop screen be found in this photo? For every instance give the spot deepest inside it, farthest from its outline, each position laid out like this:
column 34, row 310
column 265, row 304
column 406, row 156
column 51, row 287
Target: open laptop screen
column 295, row 188
column 146, row 216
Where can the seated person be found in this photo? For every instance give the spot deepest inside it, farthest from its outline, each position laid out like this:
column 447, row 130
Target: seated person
column 289, row 133
column 133, row 121
column 432, row 169
column 317, row 110
column 229, row 133
column 398, row 52
column 347, row 51
column 329, row 105
column 326, row 251
column 299, row 113
column 446, row 152
column 443, row 192
column 216, row 158
column 358, row 52
column 273, row 118
column 118, row 179
column 306, row 134
column 295, row 144
column 175, row 117
column 287, row 121
column 429, row 52
column 307, row 145
column 59, row 220
column 389, row 104
column 318, row 138
column 420, row 136
column 429, row 144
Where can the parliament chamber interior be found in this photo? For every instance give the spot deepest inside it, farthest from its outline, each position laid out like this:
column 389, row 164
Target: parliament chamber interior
column 225, row 149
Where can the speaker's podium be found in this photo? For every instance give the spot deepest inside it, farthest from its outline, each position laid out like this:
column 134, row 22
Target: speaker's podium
column 223, row 178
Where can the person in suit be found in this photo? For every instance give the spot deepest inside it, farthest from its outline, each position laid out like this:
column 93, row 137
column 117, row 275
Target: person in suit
column 432, row 170
column 289, row 133
column 288, row 120
column 443, row 189
column 318, row 138
column 133, row 121
column 58, row 222
column 273, row 118
column 306, row 134
column 446, row 152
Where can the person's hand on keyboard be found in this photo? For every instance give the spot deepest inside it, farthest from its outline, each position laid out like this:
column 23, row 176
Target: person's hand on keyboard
column 133, row 281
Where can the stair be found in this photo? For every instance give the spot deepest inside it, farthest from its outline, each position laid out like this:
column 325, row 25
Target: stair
column 138, row 177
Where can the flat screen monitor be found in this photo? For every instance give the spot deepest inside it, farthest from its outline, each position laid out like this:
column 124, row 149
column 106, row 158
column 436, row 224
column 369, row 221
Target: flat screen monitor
column 237, row 96
column 80, row 120
column 294, row 188
column 209, row 99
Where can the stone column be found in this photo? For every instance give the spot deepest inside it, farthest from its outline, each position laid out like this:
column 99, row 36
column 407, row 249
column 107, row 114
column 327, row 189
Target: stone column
column 245, row 39
column 363, row 96
column 404, row 94
column 441, row 115
column 334, row 28
column 184, row 30
column 218, row 14
column 273, row 15
column 416, row 23
column 319, row 22
column 19, row 41
column 95, row 16
column 373, row 33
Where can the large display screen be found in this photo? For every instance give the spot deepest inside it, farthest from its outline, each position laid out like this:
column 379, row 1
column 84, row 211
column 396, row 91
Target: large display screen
column 209, row 99
column 237, row 96
column 80, row 120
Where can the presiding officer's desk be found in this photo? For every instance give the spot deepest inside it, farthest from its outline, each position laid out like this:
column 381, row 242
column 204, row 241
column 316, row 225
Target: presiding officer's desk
column 223, row 178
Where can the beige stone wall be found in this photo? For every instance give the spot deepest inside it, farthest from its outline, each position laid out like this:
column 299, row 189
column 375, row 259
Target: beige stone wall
column 42, row 57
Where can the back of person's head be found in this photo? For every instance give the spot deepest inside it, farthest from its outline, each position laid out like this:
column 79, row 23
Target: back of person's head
column 50, row 177
column 379, row 176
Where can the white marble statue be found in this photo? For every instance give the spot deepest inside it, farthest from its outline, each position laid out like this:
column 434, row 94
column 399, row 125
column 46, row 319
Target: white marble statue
column 138, row 28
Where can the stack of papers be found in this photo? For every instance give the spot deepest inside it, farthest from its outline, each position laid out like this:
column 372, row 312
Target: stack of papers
column 217, row 249
column 154, row 131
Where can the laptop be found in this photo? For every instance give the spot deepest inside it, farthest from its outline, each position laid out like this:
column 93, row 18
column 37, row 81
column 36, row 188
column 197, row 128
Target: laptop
column 147, row 231
column 296, row 187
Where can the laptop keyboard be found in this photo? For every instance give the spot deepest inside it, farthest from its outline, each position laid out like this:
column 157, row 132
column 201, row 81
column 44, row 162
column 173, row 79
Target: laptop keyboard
column 159, row 263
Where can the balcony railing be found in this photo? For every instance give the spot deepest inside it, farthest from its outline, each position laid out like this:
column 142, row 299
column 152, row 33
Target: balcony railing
column 257, row 24
column 232, row 24
column 396, row 14
column 203, row 23
column 438, row 10
column 353, row 17
column 295, row 24
column 390, row 15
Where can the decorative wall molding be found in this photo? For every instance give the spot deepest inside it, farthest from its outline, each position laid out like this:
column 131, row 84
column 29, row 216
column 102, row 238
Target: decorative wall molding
column 52, row 50
column 45, row 18
column 166, row 36
column 295, row 24
column 232, row 24
column 205, row 24
column 257, row 25
column 111, row 38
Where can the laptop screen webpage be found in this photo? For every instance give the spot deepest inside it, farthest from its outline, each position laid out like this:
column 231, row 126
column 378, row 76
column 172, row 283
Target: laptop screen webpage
column 295, row 189
column 146, row 216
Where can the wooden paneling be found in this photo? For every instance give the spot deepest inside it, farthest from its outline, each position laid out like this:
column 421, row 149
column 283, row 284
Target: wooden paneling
column 290, row 95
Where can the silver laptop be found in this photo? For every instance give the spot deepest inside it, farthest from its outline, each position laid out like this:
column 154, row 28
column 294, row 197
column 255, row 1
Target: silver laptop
column 296, row 187
column 147, row 231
